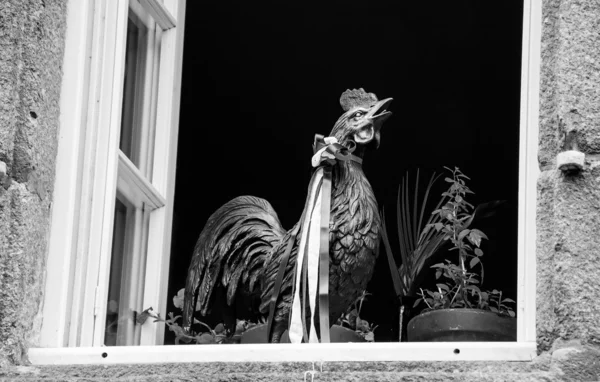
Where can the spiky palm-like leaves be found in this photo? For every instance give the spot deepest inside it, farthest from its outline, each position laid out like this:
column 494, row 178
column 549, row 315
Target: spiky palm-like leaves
column 416, row 244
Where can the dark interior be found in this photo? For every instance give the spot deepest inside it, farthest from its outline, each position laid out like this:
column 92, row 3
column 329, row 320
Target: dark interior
column 261, row 78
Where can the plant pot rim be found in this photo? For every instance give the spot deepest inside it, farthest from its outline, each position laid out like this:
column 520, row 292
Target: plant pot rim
column 461, row 310
column 461, row 324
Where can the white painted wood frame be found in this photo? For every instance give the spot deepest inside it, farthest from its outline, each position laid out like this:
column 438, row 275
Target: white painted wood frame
column 354, row 352
column 164, row 168
column 528, row 170
column 73, row 105
column 91, row 168
column 524, row 349
column 159, row 13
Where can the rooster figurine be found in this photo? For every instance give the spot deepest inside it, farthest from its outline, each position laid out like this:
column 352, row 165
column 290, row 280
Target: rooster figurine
column 238, row 255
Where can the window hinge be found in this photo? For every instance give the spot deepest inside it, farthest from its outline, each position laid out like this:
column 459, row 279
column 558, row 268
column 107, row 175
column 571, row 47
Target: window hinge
column 97, row 300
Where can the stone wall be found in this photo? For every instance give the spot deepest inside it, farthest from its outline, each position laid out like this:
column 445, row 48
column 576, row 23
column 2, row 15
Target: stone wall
column 571, row 363
column 31, row 54
column 568, row 221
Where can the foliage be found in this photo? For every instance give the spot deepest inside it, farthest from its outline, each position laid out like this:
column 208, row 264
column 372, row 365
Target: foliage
column 459, row 284
column 351, row 319
column 217, row 335
column 416, row 244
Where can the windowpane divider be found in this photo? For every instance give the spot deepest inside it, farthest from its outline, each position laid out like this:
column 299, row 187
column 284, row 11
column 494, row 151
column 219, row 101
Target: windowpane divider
column 135, row 186
column 160, row 13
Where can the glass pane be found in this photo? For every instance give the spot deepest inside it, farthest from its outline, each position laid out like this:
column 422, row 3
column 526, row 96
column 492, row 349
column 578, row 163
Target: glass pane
column 126, row 278
column 133, row 90
column 116, row 272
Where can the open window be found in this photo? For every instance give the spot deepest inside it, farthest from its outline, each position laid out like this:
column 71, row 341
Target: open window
column 464, row 78
column 458, row 74
column 112, row 213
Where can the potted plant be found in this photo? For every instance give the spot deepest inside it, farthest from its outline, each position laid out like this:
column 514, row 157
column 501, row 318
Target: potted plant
column 459, row 310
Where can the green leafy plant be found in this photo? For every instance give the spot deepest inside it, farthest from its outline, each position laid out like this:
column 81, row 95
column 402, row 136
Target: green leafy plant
column 459, row 283
column 352, row 320
column 216, row 335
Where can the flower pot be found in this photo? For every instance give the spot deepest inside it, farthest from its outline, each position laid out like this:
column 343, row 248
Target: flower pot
column 337, row 333
column 461, row 325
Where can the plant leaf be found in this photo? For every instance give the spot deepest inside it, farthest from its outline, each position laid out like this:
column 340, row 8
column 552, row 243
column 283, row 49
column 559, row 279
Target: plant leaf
column 399, row 286
column 475, row 237
column 463, row 233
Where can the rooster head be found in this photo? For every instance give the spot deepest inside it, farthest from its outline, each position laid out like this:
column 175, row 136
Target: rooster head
column 363, row 117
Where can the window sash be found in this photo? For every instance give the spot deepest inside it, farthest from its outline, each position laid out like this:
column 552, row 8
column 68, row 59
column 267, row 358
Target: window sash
column 81, row 237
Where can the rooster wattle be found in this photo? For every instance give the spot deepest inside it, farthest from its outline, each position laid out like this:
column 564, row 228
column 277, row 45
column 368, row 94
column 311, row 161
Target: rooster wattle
column 238, row 254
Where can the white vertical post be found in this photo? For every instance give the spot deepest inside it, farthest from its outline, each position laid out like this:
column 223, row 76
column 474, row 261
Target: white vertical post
column 528, row 169
column 59, row 276
column 165, row 157
column 107, row 119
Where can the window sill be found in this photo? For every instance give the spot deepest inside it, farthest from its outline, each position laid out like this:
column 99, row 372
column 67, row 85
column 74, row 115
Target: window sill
column 376, row 352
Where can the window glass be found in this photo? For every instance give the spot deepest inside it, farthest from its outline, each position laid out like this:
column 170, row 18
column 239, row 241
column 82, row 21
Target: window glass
column 130, row 140
column 111, row 336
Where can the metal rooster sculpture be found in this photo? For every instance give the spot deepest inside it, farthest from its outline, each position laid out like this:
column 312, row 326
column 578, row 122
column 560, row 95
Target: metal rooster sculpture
column 237, row 257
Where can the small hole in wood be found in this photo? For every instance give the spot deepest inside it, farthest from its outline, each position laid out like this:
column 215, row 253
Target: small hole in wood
column 104, row 355
column 456, row 351
column 33, row 114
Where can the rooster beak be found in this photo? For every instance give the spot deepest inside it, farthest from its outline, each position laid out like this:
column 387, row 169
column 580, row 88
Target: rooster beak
column 380, row 113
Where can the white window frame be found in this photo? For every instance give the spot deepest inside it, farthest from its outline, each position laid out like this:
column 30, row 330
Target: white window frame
column 91, row 168
column 524, row 349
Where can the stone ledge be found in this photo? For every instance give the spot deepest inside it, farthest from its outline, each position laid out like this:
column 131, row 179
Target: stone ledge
column 568, row 361
column 538, row 370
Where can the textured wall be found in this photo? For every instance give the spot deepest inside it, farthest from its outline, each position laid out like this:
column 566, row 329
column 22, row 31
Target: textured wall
column 31, row 53
column 568, row 220
column 540, row 370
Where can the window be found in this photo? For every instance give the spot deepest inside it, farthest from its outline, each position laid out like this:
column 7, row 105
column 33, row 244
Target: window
column 112, row 214
column 523, row 349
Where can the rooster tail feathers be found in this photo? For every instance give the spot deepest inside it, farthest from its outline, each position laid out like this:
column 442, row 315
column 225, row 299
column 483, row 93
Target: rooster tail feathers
column 232, row 248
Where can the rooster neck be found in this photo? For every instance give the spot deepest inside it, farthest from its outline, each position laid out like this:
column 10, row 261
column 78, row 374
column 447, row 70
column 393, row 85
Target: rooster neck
column 347, row 177
column 353, row 197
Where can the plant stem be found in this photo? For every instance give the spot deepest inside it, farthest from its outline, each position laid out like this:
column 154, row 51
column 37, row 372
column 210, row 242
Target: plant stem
column 401, row 321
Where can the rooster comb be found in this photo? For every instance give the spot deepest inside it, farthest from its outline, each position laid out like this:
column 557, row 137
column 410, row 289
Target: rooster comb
column 353, row 98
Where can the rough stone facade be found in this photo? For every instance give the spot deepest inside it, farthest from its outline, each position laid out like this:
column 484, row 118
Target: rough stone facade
column 32, row 36
column 568, row 221
column 568, row 225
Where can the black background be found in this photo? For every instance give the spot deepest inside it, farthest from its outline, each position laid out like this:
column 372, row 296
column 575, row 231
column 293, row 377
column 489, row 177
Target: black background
column 261, row 78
